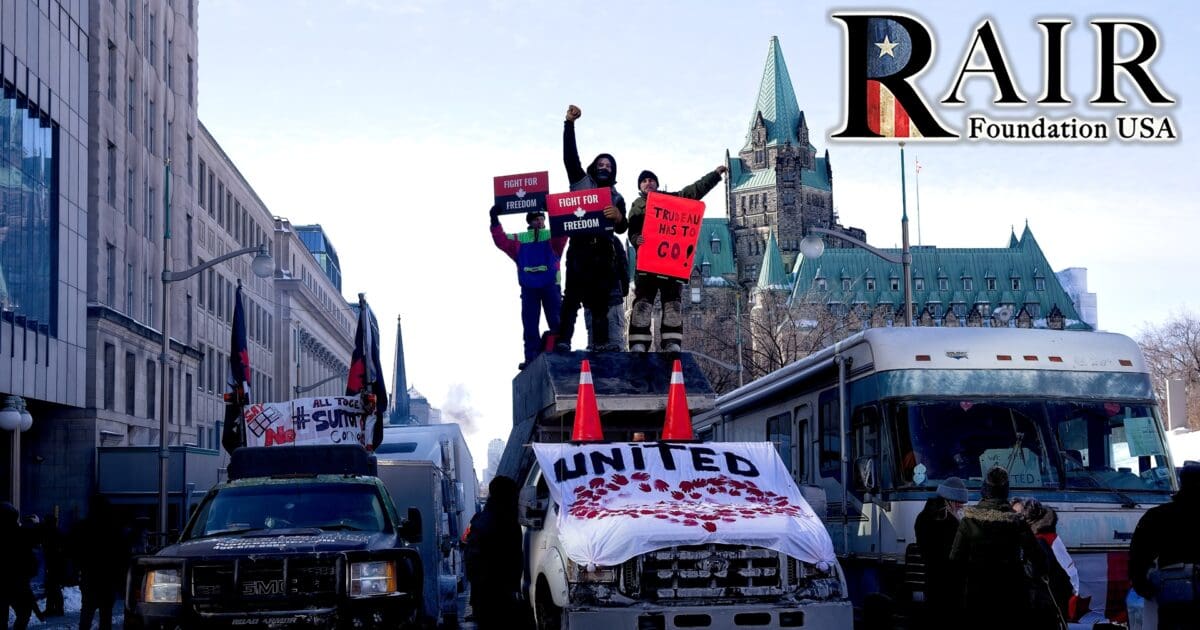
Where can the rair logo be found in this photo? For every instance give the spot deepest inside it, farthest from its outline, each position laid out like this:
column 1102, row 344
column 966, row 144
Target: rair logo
column 885, row 54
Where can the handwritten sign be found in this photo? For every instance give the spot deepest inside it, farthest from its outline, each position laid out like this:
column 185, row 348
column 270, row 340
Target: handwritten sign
column 525, row 192
column 1023, row 466
column 1142, row 435
column 671, row 231
column 579, row 212
column 321, row 420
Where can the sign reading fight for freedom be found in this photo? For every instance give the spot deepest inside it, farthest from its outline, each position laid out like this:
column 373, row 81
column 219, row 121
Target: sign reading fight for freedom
column 618, row 501
column 521, row 193
column 322, row 420
column 579, row 212
column 671, row 231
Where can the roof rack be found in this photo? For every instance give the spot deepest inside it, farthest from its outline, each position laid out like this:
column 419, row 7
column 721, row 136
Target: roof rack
column 323, row 459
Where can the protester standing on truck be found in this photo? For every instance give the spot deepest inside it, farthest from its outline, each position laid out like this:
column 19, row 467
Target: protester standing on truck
column 590, row 269
column 648, row 286
column 537, row 256
column 494, row 558
column 936, row 527
column 995, row 557
column 1164, row 555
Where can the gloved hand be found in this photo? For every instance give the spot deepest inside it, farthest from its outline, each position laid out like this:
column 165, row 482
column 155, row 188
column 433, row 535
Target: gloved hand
column 494, row 213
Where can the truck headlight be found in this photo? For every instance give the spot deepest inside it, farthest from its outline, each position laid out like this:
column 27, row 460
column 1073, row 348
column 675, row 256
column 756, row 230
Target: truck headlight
column 162, row 586
column 372, row 578
column 579, row 573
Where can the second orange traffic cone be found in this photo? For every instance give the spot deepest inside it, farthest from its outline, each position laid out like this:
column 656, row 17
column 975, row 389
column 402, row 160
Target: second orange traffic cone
column 678, row 425
column 587, row 414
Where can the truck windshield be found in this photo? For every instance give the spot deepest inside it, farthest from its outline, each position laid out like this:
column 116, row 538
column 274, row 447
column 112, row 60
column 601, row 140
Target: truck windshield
column 1059, row 444
column 343, row 506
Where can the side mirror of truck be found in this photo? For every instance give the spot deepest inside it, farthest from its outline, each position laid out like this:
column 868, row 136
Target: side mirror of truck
column 412, row 530
column 815, row 496
column 531, row 510
column 866, row 474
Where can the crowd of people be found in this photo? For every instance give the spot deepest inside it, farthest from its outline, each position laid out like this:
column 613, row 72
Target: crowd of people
column 93, row 554
column 597, row 266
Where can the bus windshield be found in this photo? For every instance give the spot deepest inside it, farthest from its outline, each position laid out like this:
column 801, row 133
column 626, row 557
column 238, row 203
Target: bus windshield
column 1044, row 444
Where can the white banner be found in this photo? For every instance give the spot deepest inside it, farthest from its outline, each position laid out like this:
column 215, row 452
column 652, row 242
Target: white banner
column 321, row 420
column 622, row 500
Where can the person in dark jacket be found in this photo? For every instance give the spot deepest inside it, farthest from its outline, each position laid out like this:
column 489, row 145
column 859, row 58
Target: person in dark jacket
column 1052, row 595
column 649, row 286
column 936, row 527
column 537, row 256
column 591, row 272
column 616, row 299
column 494, row 557
column 56, row 565
column 1164, row 537
column 995, row 558
column 17, row 566
column 102, row 555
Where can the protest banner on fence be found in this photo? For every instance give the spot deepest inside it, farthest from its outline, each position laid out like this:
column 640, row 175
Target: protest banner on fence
column 671, row 231
column 320, row 420
column 521, row 193
column 579, row 212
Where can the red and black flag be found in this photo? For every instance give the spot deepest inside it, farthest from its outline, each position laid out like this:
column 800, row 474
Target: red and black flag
column 366, row 374
column 237, row 380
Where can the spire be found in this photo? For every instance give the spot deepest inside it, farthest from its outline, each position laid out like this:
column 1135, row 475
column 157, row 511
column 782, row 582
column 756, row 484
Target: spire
column 772, row 275
column 776, row 100
column 1012, row 239
column 401, row 412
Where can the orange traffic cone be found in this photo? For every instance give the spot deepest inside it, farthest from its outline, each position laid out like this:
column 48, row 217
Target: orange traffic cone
column 678, row 426
column 587, row 414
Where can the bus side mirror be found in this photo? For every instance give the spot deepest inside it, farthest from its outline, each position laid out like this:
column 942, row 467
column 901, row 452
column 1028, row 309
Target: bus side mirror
column 866, row 474
column 412, row 530
column 531, row 510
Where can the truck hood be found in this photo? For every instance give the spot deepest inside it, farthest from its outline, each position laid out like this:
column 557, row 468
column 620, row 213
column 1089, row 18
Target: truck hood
column 283, row 541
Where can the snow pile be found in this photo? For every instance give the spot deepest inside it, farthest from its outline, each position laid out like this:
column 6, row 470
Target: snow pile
column 1185, row 446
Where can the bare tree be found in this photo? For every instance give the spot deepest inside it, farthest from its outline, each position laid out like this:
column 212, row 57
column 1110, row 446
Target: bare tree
column 1172, row 351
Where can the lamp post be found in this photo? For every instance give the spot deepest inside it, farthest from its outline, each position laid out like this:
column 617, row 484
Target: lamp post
column 16, row 418
column 812, row 246
column 262, row 266
column 300, row 389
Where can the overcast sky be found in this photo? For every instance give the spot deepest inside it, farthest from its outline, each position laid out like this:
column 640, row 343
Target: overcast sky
column 386, row 121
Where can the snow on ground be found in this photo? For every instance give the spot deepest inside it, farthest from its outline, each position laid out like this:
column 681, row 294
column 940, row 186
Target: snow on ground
column 72, row 602
column 1184, row 446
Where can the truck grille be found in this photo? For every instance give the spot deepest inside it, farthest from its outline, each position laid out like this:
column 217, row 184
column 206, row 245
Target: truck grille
column 709, row 571
column 264, row 584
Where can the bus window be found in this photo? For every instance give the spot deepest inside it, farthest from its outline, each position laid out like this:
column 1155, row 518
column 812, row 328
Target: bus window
column 779, row 433
column 831, row 445
column 1110, row 445
column 864, row 425
column 804, row 442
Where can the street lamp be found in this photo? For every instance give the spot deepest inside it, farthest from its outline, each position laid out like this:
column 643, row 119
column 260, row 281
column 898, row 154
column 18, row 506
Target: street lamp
column 300, row 389
column 16, row 418
column 812, row 246
column 262, row 266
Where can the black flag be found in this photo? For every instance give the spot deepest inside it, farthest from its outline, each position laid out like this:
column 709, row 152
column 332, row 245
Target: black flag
column 233, row 434
column 366, row 372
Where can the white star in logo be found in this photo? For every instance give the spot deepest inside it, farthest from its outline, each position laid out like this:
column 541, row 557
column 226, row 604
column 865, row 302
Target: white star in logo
column 579, row 212
column 886, row 46
column 520, row 193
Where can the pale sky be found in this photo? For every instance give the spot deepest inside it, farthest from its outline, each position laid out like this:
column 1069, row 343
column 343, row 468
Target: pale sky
column 386, row 121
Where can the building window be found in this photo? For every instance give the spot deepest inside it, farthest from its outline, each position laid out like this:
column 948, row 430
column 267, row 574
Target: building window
column 170, row 410
column 149, row 210
column 919, row 284
column 129, row 188
column 130, row 382
column 187, row 399
column 151, row 377
column 132, row 19
column 190, row 158
column 991, row 284
column 1039, row 284
column 870, row 284
column 149, row 313
column 895, row 284
column 170, row 66
column 110, row 272
column 821, row 284
column 150, row 28
column 110, row 178
column 112, row 71
column 968, row 284
column 189, row 239
column 191, row 81
column 191, row 13
column 212, row 283
column 129, row 289
column 1016, row 284
column 29, row 213
column 200, row 189
column 846, row 284
column 151, row 118
column 943, row 284
column 131, row 105
column 110, row 377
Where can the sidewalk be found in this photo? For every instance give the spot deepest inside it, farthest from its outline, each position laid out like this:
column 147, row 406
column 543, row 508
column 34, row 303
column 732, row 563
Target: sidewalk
column 70, row 620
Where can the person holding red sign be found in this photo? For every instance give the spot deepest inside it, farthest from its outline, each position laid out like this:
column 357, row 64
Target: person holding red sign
column 591, row 274
column 537, row 256
column 648, row 286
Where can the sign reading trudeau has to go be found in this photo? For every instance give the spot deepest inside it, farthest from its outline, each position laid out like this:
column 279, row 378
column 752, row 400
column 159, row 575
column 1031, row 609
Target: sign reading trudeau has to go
column 579, row 212
column 671, row 231
column 525, row 192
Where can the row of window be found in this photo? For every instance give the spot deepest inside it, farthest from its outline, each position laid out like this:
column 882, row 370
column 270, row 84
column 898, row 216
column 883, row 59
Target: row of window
column 214, row 196
column 150, row 383
column 215, row 375
column 112, row 299
column 217, row 296
column 1039, row 284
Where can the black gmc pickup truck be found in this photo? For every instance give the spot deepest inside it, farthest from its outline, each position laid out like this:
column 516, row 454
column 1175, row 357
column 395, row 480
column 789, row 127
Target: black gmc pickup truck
column 300, row 536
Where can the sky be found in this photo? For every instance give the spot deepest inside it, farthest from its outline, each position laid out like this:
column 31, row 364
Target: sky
column 385, row 122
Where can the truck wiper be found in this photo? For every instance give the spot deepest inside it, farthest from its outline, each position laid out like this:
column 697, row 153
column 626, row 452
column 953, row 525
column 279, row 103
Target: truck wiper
column 343, row 526
column 228, row 532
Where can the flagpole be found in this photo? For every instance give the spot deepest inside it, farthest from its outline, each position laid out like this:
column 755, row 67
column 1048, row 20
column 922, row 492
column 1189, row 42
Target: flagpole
column 917, row 179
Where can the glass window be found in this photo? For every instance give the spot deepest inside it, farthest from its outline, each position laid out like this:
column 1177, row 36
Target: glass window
column 1110, row 445
column 130, row 382
column 129, row 289
column 943, row 284
column 894, row 284
column 968, row 284
column 110, row 376
column 779, row 433
column 831, row 445
column 1016, row 284
column 870, row 284
column 991, row 284
column 110, row 274
column 130, row 186
column 28, row 212
column 919, row 284
column 1039, row 284
column 151, row 376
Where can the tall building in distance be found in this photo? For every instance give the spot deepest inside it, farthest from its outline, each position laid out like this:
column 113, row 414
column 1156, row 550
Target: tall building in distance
column 495, row 452
column 313, row 237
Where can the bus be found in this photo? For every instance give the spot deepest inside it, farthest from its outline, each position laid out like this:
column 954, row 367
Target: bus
column 877, row 421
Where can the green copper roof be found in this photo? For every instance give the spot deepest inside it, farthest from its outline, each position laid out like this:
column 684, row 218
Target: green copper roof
column 714, row 251
column 744, row 178
column 772, row 275
column 776, row 100
column 1022, row 260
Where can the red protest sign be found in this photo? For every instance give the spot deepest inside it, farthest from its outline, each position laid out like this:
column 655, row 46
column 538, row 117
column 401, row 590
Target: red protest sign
column 671, row 231
column 579, row 212
column 525, row 192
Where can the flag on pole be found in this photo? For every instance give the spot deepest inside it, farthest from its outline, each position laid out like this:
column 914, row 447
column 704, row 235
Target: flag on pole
column 366, row 374
column 237, row 379
column 918, row 166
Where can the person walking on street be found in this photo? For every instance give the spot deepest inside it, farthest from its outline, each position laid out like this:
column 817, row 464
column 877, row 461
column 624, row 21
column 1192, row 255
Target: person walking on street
column 494, row 558
column 537, row 256
column 936, row 527
column 102, row 555
column 590, row 267
column 649, row 286
column 56, row 565
column 1164, row 555
column 995, row 558
column 17, row 566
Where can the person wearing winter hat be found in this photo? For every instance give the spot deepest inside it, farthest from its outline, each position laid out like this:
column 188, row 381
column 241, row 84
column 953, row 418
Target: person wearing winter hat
column 936, row 527
column 989, row 557
column 648, row 286
column 591, row 274
column 537, row 256
column 1164, row 538
column 1059, row 598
